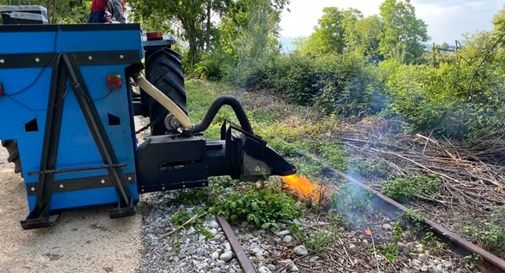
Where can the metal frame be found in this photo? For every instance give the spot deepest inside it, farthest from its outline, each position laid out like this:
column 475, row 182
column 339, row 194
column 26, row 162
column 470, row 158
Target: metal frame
column 65, row 69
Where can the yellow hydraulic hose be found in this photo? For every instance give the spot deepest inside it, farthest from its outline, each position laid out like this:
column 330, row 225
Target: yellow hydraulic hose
column 164, row 100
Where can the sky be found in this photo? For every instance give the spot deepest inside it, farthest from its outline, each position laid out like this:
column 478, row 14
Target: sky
column 447, row 19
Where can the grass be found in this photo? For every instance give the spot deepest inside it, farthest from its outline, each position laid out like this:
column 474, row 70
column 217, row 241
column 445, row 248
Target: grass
column 286, row 129
column 404, row 189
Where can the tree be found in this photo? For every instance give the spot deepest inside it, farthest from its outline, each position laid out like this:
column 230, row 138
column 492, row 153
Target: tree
column 404, row 34
column 328, row 36
column 191, row 18
column 248, row 36
column 363, row 37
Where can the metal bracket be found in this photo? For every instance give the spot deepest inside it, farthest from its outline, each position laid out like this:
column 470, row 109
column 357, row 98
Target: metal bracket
column 65, row 68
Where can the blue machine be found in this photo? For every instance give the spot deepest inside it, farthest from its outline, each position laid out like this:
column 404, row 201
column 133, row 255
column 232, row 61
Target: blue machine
column 66, row 100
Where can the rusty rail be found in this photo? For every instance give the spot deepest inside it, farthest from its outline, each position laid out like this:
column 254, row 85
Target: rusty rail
column 242, row 258
column 490, row 263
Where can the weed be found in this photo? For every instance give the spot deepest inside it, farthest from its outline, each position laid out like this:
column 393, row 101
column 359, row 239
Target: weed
column 429, row 238
column 262, row 207
column 391, row 251
column 335, row 154
column 179, row 218
column 191, row 197
column 489, row 235
column 397, row 232
column 404, row 189
column 351, row 198
column 314, row 241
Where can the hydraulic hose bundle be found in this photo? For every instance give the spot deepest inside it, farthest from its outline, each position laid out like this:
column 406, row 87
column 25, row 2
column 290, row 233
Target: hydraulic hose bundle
column 183, row 118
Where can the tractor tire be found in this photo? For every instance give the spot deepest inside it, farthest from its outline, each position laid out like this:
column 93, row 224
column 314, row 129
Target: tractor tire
column 164, row 70
column 12, row 149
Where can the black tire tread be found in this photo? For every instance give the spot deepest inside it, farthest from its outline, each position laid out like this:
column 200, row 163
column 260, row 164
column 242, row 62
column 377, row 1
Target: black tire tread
column 164, row 70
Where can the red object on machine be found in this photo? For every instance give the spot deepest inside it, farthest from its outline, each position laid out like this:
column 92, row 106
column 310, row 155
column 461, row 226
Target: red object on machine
column 158, row 35
column 1, row 90
column 114, row 81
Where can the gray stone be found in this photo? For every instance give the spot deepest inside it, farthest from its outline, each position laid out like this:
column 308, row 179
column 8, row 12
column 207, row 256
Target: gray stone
column 226, row 256
column 214, row 255
column 287, row 239
column 387, row 227
column 271, row 267
column 282, row 233
column 301, row 250
column 263, row 269
column 352, row 247
column 213, row 224
column 424, row 268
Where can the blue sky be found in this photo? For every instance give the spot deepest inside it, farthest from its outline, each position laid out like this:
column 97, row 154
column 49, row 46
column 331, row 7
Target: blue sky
column 447, row 19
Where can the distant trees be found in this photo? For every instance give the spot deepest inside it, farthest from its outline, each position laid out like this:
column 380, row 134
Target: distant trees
column 396, row 34
column 403, row 33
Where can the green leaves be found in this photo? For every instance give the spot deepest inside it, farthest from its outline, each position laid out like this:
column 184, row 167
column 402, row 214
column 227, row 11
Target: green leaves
column 262, row 208
column 404, row 34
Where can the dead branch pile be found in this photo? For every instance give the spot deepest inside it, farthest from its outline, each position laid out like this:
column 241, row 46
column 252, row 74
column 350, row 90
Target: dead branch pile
column 467, row 179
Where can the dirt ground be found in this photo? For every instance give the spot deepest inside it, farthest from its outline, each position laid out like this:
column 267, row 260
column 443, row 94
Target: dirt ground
column 82, row 241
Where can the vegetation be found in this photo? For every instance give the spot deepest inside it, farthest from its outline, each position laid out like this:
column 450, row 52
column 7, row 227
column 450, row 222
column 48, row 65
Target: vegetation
column 404, row 189
column 263, row 208
column 490, row 234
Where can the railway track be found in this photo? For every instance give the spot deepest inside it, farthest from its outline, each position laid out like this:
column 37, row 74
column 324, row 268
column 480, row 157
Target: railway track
column 488, row 262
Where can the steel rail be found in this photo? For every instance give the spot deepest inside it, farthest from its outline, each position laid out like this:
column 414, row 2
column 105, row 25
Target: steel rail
column 242, row 258
column 490, row 263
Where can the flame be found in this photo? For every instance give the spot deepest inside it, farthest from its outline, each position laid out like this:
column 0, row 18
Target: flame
column 302, row 187
column 368, row 232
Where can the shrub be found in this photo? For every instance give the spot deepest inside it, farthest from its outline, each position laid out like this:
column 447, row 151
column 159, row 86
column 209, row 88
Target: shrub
column 262, row 208
column 404, row 189
column 341, row 84
column 350, row 199
column 490, row 235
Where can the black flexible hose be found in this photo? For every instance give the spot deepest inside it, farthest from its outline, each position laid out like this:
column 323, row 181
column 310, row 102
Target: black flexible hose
column 214, row 108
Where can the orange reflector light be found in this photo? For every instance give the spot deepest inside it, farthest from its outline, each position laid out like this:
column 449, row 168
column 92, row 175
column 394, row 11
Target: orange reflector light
column 1, row 90
column 114, row 81
column 158, row 35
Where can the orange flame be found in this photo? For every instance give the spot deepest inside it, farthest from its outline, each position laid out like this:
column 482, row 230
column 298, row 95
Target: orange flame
column 302, row 187
column 368, row 232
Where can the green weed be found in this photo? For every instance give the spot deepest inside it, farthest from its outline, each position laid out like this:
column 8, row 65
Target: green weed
column 404, row 189
column 351, row 198
column 489, row 235
column 263, row 208
column 314, row 241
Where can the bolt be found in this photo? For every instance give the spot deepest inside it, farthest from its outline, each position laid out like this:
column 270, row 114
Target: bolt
column 32, row 188
column 129, row 178
column 162, row 188
column 121, row 56
column 37, row 60
column 61, row 186
column 183, row 186
column 90, row 58
column 2, row 61
column 102, row 181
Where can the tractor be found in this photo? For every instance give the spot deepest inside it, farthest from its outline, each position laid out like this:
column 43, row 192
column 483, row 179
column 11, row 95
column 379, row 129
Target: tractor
column 68, row 97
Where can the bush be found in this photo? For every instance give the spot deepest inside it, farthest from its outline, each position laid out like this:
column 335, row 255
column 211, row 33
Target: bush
column 404, row 189
column 213, row 66
column 341, row 84
column 263, row 208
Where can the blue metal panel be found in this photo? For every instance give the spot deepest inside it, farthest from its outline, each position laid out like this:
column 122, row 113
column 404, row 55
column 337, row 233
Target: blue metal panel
column 77, row 147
